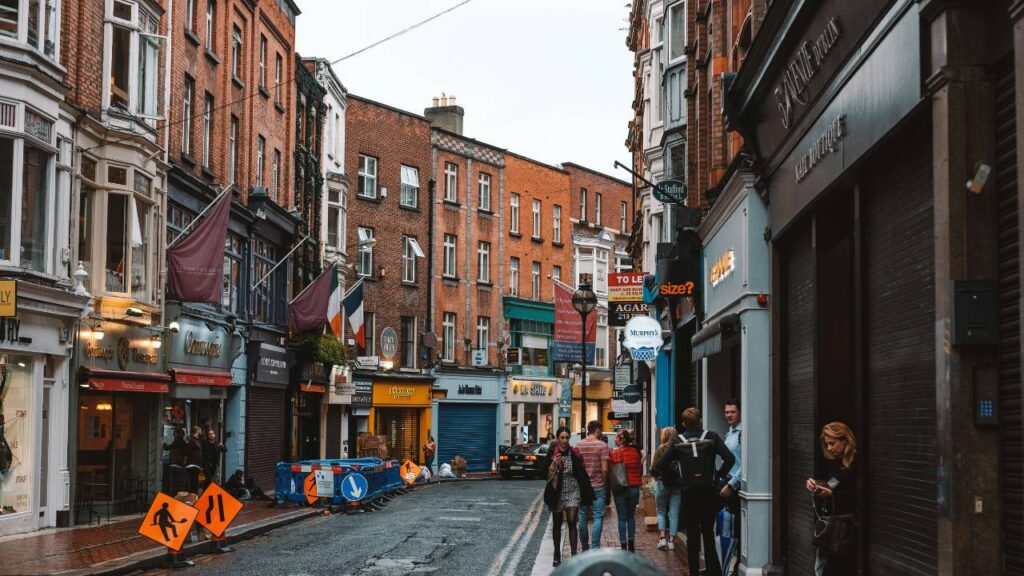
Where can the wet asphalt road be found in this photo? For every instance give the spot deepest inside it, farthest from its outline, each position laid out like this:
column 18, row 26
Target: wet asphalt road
column 463, row 528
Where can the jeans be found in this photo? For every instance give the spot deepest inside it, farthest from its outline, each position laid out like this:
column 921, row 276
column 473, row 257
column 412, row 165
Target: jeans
column 596, row 510
column 699, row 511
column 625, row 508
column 667, row 500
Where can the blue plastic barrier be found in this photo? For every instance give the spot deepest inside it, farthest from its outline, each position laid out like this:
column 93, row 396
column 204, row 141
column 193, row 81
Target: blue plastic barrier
column 382, row 477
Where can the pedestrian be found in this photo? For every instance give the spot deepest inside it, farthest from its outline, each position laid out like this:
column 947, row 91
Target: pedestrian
column 194, row 459
column 178, row 480
column 627, row 498
column 730, row 491
column 212, row 450
column 695, row 450
column 835, row 503
column 595, row 460
column 568, row 487
column 429, row 450
column 668, row 494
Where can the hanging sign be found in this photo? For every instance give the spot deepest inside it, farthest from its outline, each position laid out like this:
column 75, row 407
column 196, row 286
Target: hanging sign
column 671, row 192
column 643, row 338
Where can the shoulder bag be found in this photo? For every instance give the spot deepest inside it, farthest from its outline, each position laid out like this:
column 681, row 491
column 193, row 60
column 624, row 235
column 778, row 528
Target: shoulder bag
column 833, row 533
column 618, row 480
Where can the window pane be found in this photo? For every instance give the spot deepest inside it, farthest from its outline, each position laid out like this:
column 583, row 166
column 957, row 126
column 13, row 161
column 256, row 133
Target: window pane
column 677, row 30
column 9, row 18
column 33, row 23
column 6, row 193
column 332, row 226
column 140, row 254
column 35, row 208
column 117, row 251
column 149, row 73
column 84, row 233
column 120, row 66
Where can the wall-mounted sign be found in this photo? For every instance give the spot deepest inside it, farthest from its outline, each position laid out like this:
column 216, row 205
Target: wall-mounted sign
column 623, row 375
column 826, row 143
column 513, row 357
column 123, row 347
column 199, row 345
column 670, row 192
column 367, row 362
column 643, row 338
column 722, row 268
column 802, row 68
column 530, row 391
column 271, row 365
column 677, row 289
column 621, row 406
column 401, row 394
column 363, row 396
column 471, row 390
column 625, row 297
column 8, row 298
column 480, row 357
column 389, row 343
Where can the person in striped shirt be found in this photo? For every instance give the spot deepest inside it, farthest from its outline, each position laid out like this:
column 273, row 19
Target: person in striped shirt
column 595, row 452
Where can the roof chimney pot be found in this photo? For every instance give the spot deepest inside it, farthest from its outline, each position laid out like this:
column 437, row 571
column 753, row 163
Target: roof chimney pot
column 451, row 100
column 436, row 99
column 444, row 100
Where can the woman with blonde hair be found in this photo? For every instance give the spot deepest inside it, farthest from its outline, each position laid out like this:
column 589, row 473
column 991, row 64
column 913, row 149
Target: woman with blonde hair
column 835, row 503
column 668, row 492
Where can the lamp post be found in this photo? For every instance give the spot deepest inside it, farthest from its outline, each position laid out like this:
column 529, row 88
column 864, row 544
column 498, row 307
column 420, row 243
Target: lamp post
column 584, row 301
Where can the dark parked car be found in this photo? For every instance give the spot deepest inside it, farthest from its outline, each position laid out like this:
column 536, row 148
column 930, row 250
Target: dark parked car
column 523, row 460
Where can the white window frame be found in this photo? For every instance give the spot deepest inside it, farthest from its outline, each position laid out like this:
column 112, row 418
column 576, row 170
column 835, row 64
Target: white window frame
column 278, row 77
column 276, row 183
column 451, row 182
column 597, row 208
column 409, row 249
column 671, row 33
column 483, row 262
column 47, row 28
column 622, row 217
column 207, row 128
column 556, row 273
column 513, row 276
column 450, row 269
column 513, row 217
column 367, row 177
column 190, row 16
column 236, row 51
column 211, row 21
column 233, row 150
column 483, row 334
column 583, row 204
column 188, row 94
column 536, row 219
column 535, row 280
column 556, row 224
column 141, row 17
column 448, row 323
column 261, row 145
column 339, row 207
column 263, row 62
column 370, row 333
column 364, row 264
column 484, row 192
column 410, row 187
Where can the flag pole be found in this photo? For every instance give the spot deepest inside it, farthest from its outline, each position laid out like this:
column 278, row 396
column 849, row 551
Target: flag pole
column 279, row 262
column 198, row 217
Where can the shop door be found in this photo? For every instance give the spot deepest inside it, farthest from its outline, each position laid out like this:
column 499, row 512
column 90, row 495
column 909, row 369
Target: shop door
column 402, row 427
column 333, row 439
column 899, row 340
column 798, row 394
column 265, row 438
column 44, row 457
column 309, row 425
column 1012, row 458
column 468, row 430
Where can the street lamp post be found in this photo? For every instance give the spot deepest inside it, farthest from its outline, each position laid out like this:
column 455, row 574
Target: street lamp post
column 584, row 301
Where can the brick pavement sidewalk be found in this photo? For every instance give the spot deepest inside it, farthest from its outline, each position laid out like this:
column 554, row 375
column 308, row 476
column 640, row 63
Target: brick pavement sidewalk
column 116, row 546
column 646, row 543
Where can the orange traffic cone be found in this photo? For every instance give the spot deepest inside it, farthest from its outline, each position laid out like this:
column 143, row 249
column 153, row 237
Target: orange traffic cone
column 494, row 467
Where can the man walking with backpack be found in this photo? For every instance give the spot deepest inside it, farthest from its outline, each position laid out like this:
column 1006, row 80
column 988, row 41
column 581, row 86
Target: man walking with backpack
column 694, row 452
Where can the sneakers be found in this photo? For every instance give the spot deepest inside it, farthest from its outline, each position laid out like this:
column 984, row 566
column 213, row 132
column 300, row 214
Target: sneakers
column 671, row 544
column 662, row 543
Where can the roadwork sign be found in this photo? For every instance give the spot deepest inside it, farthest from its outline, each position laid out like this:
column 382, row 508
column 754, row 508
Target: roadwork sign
column 168, row 522
column 217, row 509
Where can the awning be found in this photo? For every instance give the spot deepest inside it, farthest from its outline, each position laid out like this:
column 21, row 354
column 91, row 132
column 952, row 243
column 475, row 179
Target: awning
column 709, row 340
column 113, row 381
column 201, row 377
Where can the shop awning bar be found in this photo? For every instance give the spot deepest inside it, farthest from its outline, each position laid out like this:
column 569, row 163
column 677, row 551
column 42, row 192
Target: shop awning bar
column 201, row 377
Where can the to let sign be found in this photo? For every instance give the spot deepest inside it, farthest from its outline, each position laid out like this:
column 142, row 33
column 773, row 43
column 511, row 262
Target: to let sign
column 8, row 298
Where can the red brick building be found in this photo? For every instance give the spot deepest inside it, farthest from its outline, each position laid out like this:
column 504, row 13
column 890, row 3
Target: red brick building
column 388, row 158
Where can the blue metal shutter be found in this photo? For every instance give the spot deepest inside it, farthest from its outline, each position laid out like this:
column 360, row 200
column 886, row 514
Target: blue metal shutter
column 467, row 430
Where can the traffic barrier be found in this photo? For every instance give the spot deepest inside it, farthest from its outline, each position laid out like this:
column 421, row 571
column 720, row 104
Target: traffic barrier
column 381, row 478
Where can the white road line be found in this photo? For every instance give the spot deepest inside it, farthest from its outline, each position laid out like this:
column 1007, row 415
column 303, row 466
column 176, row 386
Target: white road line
column 459, row 518
column 524, row 542
column 503, row 555
column 542, row 566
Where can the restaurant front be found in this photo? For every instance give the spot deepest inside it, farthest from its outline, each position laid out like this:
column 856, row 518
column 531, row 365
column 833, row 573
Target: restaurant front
column 401, row 412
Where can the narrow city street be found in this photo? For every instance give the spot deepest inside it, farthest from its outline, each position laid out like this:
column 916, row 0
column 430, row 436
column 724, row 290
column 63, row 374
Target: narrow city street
column 463, row 528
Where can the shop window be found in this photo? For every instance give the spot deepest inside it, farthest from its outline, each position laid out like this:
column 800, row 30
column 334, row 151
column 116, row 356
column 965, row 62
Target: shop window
column 19, row 420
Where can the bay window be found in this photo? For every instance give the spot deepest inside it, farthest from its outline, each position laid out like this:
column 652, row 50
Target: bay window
column 40, row 23
column 335, row 219
column 134, row 58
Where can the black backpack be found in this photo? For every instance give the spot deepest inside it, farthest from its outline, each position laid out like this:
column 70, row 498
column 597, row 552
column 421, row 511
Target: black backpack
column 696, row 461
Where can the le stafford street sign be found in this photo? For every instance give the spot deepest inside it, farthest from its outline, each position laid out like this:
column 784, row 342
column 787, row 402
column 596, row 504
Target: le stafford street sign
column 671, row 192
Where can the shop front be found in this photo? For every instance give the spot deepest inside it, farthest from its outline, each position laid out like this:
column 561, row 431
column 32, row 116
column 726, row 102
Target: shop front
column 531, row 410
column 733, row 347
column 266, row 408
column 35, row 405
column 599, row 402
column 121, row 384
column 339, row 412
column 401, row 413
column 199, row 361
column 467, row 417
column 309, row 411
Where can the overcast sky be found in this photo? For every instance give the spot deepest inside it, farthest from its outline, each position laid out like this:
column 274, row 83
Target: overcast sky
column 549, row 79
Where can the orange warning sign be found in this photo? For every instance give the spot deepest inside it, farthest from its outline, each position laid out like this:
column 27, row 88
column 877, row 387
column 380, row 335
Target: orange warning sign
column 168, row 521
column 309, row 487
column 217, row 509
column 410, row 472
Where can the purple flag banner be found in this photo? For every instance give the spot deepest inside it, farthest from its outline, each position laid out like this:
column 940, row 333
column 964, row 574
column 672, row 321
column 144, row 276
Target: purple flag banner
column 195, row 265
column 569, row 327
column 308, row 311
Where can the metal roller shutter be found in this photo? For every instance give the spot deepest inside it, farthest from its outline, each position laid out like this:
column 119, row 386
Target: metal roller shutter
column 333, row 440
column 1012, row 462
column 899, row 323
column 264, row 435
column 467, row 430
column 798, row 397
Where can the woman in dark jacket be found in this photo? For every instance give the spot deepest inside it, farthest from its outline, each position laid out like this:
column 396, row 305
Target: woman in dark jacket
column 568, row 486
column 836, row 501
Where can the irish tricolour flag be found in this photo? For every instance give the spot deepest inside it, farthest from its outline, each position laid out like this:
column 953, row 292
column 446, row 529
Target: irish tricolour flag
column 353, row 303
column 334, row 306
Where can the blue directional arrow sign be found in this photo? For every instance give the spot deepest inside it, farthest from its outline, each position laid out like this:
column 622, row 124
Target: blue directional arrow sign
column 354, row 487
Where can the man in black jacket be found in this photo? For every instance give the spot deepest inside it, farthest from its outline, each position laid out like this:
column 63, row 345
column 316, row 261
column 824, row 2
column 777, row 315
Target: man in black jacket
column 700, row 504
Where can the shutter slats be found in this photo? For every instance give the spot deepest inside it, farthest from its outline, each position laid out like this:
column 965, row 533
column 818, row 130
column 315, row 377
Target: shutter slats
column 470, row 431
column 264, row 434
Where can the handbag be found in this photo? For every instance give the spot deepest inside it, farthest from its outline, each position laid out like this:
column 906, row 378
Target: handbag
column 618, row 480
column 833, row 533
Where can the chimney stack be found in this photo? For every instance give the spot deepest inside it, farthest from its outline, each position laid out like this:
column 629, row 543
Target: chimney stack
column 445, row 114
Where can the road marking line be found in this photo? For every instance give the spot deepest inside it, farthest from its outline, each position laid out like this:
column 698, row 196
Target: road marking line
column 503, row 555
column 524, row 543
column 459, row 518
column 546, row 554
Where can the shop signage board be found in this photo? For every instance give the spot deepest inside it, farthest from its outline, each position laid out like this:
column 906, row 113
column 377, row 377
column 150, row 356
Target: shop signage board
column 8, row 298
column 271, row 365
column 643, row 338
column 670, row 192
column 623, row 375
column 363, row 396
column 401, row 394
column 389, row 343
column 625, row 297
column 630, row 395
column 196, row 345
column 620, row 405
column 217, row 509
column 168, row 521
column 530, row 391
